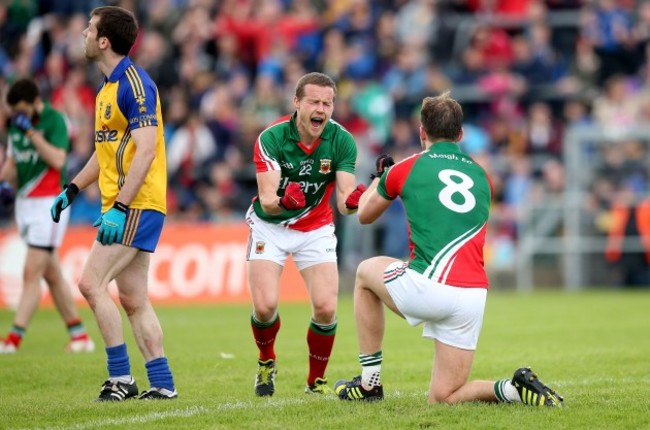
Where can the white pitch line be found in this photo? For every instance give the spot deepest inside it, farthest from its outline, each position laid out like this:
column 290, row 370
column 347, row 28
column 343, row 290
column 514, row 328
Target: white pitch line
column 199, row 410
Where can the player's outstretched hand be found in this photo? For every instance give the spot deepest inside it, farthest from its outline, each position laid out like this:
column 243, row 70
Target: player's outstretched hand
column 63, row 200
column 352, row 202
column 293, row 197
column 22, row 122
column 7, row 194
column 111, row 225
column 384, row 161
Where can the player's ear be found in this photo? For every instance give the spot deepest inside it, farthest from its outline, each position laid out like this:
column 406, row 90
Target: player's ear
column 460, row 135
column 296, row 102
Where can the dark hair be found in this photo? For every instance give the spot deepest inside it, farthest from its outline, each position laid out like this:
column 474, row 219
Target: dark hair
column 314, row 78
column 441, row 117
column 23, row 90
column 118, row 25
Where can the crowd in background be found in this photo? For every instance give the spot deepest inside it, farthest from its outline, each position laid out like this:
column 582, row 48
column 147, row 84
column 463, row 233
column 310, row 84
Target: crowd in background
column 525, row 72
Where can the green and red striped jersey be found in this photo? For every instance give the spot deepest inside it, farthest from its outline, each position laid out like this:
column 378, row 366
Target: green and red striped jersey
column 447, row 199
column 35, row 177
column 278, row 147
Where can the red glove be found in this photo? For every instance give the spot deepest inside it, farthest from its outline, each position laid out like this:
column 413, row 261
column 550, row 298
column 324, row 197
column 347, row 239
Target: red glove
column 293, row 197
column 352, row 202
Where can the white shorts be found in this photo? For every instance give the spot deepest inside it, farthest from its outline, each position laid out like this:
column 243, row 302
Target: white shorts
column 452, row 315
column 273, row 242
column 35, row 223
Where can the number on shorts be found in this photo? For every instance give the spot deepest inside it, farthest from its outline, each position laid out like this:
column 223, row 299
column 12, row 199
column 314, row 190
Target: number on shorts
column 452, row 187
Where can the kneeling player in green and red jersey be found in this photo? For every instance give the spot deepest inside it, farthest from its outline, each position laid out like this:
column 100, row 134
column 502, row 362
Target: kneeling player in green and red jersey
column 443, row 286
column 301, row 159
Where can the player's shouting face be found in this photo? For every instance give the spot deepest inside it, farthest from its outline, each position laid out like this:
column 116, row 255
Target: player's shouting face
column 314, row 111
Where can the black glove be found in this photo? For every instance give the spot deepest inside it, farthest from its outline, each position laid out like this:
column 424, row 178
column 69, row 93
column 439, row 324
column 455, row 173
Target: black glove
column 384, row 161
column 63, row 200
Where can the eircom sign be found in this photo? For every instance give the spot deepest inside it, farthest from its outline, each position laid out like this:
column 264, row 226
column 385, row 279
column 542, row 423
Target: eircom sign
column 193, row 263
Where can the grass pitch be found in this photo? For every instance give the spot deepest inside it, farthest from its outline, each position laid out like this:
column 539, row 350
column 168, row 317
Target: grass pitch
column 594, row 348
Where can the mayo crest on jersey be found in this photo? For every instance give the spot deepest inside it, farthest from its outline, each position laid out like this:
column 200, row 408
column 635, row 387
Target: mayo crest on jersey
column 127, row 100
column 35, row 177
column 278, row 147
column 447, row 198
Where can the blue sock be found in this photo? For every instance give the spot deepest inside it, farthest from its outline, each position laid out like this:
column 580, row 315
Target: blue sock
column 118, row 361
column 159, row 374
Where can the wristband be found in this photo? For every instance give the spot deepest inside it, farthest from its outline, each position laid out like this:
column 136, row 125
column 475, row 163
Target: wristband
column 120, row 206
column 72, row 188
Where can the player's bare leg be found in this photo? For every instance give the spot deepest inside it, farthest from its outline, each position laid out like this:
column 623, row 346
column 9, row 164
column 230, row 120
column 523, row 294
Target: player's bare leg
column 36, row 261
column 132, row 287
column 264, row 282
column 449, row 382
column 451, row 368
column 65, row 304
column 102, row 266
column 60, row 290
column 370, row 295
column 133, row 295
column 322, row 282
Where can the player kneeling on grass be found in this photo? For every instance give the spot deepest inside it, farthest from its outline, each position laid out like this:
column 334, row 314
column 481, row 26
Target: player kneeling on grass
column 443, row 285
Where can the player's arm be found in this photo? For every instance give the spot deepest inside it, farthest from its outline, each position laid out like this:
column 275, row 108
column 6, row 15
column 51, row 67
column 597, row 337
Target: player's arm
column 345, row 185
column 52, row 155
column 145, row 139
column 88, row 174
column 267, row 191
column 8, row 172
column 372, row 204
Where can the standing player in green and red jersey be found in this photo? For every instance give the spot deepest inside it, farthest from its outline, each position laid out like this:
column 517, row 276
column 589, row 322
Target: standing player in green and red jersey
column 447, row 198
column 38, row 147
column 301, row 159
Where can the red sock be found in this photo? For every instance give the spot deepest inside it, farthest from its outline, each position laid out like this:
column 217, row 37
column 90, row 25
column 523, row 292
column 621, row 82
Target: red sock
column 14, row 338
column 320, row 341
column 264, row 335
column 82, row 336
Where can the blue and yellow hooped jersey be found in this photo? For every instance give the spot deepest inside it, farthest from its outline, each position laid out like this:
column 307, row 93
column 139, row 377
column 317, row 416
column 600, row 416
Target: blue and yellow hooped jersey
column 126, row 100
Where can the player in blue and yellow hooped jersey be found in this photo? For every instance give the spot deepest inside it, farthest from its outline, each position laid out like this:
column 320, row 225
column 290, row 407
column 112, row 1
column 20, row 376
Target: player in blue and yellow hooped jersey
column 129, row 164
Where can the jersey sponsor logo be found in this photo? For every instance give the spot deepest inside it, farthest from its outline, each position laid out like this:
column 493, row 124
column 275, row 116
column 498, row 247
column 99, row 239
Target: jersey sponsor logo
column 109, row 111
column 259, row 247
column 105, row 135
column 27, row 156
column 307, row 187
column 325, row 166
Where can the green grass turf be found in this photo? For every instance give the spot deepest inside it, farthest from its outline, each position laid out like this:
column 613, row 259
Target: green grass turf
column 594, row 348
